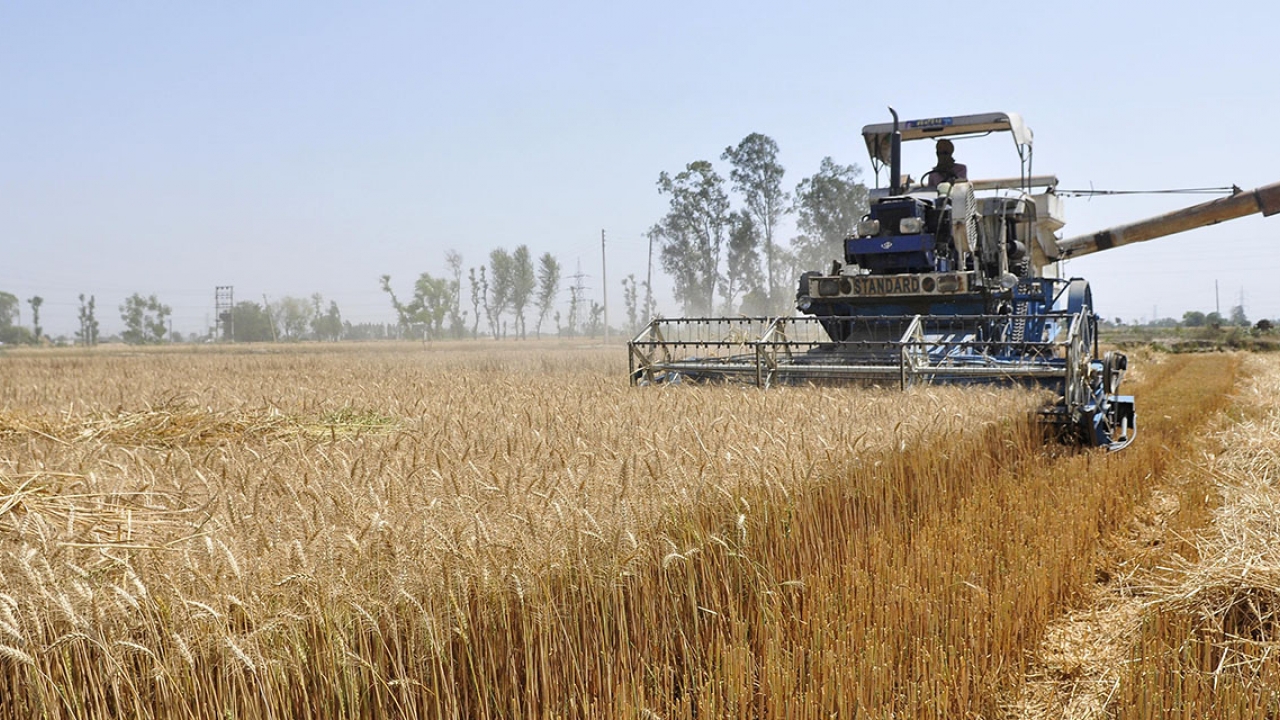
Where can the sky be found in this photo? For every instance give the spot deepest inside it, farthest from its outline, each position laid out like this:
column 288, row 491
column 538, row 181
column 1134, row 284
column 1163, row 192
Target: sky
column 294, row 148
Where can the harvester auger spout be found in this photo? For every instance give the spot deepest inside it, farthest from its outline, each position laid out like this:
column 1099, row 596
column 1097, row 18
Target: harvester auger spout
column 950, row 281
column 1265, row 200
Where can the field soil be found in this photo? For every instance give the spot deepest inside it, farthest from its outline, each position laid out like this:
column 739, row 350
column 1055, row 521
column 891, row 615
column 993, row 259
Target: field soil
column 510, row 530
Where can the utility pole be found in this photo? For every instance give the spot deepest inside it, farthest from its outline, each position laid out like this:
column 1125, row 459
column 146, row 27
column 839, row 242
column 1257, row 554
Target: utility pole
column 648, row 284
column 604, row 287
column 266, row 306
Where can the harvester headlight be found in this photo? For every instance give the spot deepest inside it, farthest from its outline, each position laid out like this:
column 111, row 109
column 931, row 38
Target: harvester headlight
column 868, row 228
column 911, row 226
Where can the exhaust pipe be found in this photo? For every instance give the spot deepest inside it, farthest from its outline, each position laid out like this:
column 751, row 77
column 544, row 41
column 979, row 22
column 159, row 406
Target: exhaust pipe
column 895, row 156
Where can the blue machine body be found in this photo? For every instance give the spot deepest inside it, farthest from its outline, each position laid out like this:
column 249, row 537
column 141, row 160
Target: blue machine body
column 968, row 311
column 893, row 251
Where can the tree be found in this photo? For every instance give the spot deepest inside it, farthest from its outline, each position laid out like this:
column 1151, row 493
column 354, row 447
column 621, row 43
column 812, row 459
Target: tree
column 479, row 295
column 1238, row 318
column 9, row 309
column 1193, row 318
column 595, row 325
column 548, row 287
column 672, row 235
column 404, row 313
column 327, row 325
column 10, row 332
column 250, row 322
column 501, row 288
column 743, row 260
column 35, row 303
column 692, row 233
column 523, row 283
column 87, row 335
column 757, row 175
column 432, row 300
column 575, row 300
column 144, row 320
column 457, row 318
column 366, row 331
column 650, row 305
column 829, row 205
column 629, row 296
column 332, row 323
column 292, row 317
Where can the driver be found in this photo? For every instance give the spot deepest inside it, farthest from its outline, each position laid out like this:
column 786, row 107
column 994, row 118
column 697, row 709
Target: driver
column 947, row 169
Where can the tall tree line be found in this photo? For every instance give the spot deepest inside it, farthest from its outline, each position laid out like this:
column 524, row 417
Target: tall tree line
column 289, row 319
column 11, row 330
column 146, row 322
column 723, row 259
column 505, row 294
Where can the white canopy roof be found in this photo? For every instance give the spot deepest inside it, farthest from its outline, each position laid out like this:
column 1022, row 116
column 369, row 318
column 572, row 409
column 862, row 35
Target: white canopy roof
column 878, row 136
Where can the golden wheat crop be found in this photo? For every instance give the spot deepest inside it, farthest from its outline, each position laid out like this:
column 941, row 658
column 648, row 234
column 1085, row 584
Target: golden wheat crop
column 187, row 525
column 481, row 531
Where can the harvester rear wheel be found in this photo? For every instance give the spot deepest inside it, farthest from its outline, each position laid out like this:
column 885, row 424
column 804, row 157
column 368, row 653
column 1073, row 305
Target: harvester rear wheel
column 1113, row 366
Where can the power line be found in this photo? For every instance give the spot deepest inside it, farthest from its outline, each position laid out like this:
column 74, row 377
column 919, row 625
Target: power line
column 1230, row 190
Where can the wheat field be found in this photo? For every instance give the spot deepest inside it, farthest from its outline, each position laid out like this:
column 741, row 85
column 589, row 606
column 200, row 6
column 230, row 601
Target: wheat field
column 511, row 531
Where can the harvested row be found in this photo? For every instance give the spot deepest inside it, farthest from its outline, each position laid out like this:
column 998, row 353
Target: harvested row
column 1209, row 645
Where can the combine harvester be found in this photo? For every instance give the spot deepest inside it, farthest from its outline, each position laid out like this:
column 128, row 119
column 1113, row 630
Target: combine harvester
column 947, row 282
